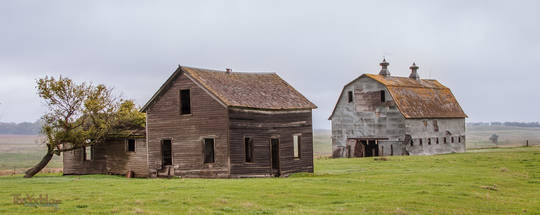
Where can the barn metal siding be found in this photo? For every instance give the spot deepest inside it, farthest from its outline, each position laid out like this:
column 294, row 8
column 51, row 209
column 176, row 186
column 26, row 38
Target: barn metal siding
column 366, row 116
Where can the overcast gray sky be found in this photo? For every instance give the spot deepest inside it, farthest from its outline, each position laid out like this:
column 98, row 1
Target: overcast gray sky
column 485, row 51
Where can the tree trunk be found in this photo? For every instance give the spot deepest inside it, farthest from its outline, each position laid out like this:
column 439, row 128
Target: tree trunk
column 38, row 167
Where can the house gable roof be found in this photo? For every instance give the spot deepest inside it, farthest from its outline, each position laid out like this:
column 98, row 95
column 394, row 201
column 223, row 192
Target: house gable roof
column 262, row 91
column 418, row 98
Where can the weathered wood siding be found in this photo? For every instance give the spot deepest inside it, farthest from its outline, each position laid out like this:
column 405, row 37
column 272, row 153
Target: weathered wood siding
column 108, row 158
column 261, row 126
column 208, row 119
column 366, row 116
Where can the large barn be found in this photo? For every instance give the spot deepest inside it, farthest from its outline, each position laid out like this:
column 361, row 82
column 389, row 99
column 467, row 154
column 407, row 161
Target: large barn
column 207, row 123
column 384, row 115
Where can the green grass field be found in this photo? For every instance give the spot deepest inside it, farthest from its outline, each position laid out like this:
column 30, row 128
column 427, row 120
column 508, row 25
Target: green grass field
column 488, row 181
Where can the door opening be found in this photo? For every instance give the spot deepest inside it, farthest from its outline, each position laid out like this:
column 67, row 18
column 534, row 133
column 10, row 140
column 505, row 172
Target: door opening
column 166, row 152
column 274, row 148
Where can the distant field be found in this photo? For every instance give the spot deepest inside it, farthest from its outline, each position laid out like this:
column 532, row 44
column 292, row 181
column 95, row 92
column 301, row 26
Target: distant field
column 19, row 152
column 478, row 136
column 486, row 181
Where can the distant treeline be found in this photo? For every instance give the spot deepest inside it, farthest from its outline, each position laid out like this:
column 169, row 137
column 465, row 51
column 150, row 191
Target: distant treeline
column 514, row 124
column 20, row 128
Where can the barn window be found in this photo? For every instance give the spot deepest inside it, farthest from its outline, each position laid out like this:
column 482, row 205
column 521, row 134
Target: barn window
column 452, row 139
column 420, row 141
column 444, row 140
column 459, row 139
column 88, row 153
column 350, row 96
column 296, row 146
column 437, row 140
column 248, row 149
column 185, row 102
column 208, row 150
column 383, row 96
column 131, row 145
column 429, row 141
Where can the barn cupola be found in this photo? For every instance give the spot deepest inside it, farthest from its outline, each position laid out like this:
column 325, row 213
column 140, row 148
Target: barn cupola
column 384, row 70
column 414, row 74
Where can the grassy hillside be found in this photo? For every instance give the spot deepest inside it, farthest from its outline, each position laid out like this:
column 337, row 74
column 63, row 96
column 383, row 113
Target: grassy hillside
column 494, row 181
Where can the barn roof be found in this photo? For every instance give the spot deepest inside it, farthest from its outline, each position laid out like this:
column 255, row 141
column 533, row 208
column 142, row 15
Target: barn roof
column 421, row 98
column 262, row 91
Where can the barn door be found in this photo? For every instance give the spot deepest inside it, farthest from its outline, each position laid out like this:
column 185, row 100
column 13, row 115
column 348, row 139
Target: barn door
column 274, row 148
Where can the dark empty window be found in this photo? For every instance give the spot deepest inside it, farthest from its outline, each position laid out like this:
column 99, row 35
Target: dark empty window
column 383, row 96
column 208, row 150
column 444, row 140
column 248, row 149
column 350, row 96
column 437, row 140
column 452, row 139
column 296, row 146
column 420, row 141
column 131, row 145
column 429, row 141
column 185, row 102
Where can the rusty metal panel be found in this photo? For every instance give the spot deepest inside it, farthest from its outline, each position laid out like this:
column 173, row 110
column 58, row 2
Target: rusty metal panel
column 421, row 98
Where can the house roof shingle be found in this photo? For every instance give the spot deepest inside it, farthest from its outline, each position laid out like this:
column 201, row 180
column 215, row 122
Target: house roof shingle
column 262, row 91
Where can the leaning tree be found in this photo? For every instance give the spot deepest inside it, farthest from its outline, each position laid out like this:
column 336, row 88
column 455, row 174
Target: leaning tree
column 80, row 115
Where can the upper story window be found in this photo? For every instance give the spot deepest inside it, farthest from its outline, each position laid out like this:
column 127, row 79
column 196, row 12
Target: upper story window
column 296, row 146
column 383, row 96
column 131, row 145
column 350, row 96
column 185, row 102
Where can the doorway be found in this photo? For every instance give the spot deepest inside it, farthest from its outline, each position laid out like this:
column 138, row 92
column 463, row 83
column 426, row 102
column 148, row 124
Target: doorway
column 274, row 149
column 372, row 148
column 166, row 152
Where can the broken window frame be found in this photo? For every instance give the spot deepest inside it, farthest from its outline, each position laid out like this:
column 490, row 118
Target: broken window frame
column 129, row 144
column 297, row 146
column 185, row 101
column 209, row 152
column 88, row 150
column 248, row 150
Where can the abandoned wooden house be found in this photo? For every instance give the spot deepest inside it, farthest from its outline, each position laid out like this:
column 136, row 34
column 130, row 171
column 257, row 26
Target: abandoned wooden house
column 384, row 115
column 207, row 123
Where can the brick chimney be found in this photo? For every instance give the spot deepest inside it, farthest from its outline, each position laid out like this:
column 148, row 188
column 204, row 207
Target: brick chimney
column 414, row 75
column 228, row 70
column 384, row 70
